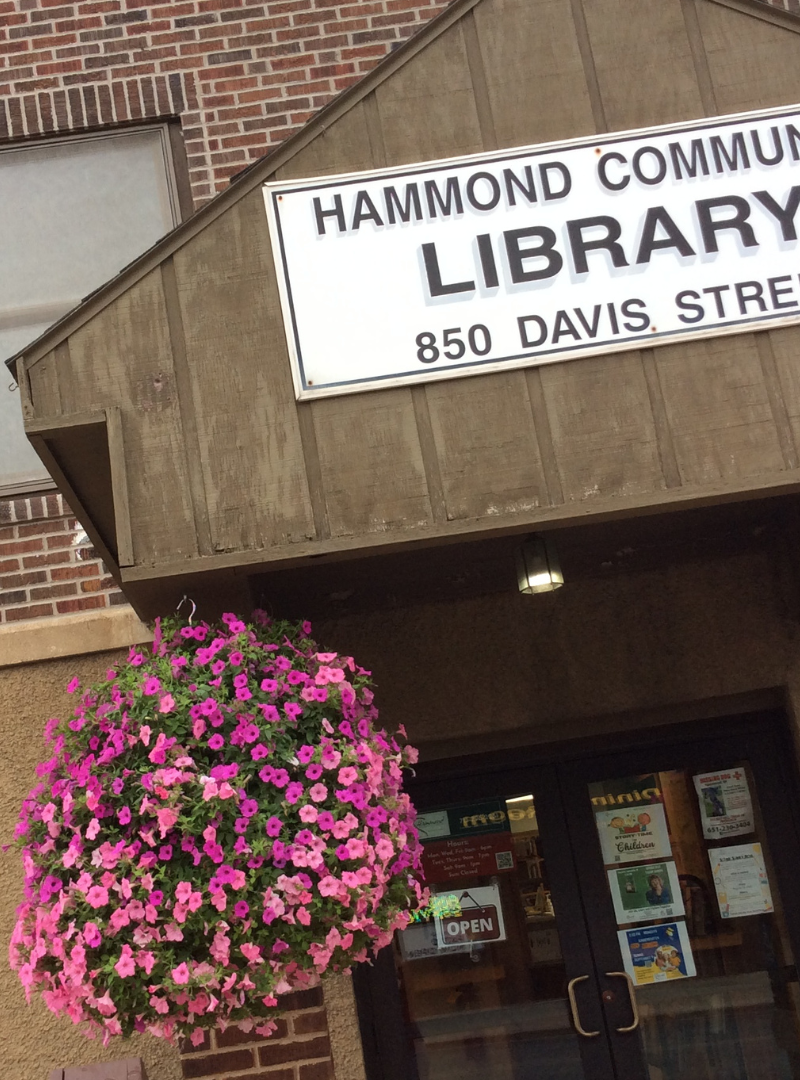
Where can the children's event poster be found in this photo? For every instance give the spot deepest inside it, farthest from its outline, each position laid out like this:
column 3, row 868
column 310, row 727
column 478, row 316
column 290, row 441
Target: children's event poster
column 726, row 808
column 654, row 954
column 644, row 893
column 633, row 833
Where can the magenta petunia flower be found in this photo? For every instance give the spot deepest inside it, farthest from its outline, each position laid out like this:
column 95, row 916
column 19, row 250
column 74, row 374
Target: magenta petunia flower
column 294, row 791
column 249, row 807
column 314, row 771
column 240, row 909
column 165, row 852
column 151, row 686
column 124, row 815
column 216, row 742
column 274, row 826
column 236, row 658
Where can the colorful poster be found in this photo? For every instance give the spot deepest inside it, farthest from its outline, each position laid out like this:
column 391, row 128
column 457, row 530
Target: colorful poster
column 467, row 856
column 633, row 835
column 740, row 878
column 644, row 893
column 481, row 919
column 654, row 954
column 726, row 808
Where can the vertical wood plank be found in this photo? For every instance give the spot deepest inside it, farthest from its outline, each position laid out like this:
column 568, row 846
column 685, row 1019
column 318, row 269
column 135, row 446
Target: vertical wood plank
column 705, row 83
column 785, row 348
column 487, row 449
column 41, row 381
column 430, row 457
column 644, row 63
column 371, row 461
column 183, row 380
column 242, row 394
column 718, row 409
column 753, row 64
column 427, row 108
column 535, row 79
column 119, row 487
column 344, row 147
column 123, row 357
column 603, row 431
column 666, row 447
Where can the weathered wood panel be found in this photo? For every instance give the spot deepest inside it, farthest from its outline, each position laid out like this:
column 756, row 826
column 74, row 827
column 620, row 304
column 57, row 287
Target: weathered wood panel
column 603, row 430
column 786, row 351
column 371, row 463
column 535, row 78
column 122, row 357
column 718, row 409
column 344, row 147
column 488, row 454
column 644, row 62
column 427, row 109
column 753, row 65
column 43, row 379
column 250, row 445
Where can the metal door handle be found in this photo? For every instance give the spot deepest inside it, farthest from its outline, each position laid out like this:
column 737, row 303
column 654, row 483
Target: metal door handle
column 574, row 1007
column 631, row 994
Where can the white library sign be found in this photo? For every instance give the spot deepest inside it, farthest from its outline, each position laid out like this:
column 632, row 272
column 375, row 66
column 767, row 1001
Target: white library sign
column 540, row 253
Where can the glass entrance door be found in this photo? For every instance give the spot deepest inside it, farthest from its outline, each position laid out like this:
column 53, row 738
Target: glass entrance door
column 632, row 916
column 688, row 859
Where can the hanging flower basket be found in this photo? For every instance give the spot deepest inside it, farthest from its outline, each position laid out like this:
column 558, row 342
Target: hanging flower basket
column 220, row 823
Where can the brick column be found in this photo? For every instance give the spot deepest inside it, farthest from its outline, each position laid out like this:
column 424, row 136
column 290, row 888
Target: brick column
column 299, row 1050
column 47, row 563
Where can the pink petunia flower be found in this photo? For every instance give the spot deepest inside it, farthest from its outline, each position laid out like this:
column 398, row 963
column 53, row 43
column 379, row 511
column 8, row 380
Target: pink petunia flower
column 167, row 703
column 318, row 793
column 97, row 896
column 180, row 974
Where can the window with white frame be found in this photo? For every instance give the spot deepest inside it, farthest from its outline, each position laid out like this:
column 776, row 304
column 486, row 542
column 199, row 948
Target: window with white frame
column 73, row 212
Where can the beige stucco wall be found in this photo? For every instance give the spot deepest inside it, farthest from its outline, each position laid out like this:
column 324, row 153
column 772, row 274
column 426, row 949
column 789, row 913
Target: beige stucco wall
column 32, row 1041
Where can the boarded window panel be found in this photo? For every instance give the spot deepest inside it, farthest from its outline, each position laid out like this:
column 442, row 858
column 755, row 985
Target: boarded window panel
column 73, row 212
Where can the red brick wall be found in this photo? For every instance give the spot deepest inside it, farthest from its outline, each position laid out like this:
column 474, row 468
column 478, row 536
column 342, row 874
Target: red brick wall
column 240, row 74
column 298, row 1050
column 47, row 564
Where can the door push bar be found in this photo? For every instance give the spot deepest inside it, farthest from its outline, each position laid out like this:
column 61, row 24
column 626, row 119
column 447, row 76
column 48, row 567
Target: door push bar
column 573, row 1004
column 631, row 994
column 574, row 1007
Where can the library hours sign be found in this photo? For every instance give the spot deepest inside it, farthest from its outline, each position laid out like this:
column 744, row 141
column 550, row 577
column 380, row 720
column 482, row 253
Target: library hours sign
column 539, row 254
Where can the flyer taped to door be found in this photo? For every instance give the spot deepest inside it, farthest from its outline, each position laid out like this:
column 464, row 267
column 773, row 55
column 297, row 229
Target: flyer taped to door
column 654, row 954
column 726, row 808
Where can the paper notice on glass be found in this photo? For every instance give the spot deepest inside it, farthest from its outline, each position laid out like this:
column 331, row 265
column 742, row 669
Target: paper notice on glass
column 633, row 835
column 644, row 893
column 654, row 954
column 726, row 808
column 740, row 879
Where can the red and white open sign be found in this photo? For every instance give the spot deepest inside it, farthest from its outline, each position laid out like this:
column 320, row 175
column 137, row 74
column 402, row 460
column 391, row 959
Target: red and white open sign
column 481, row 919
